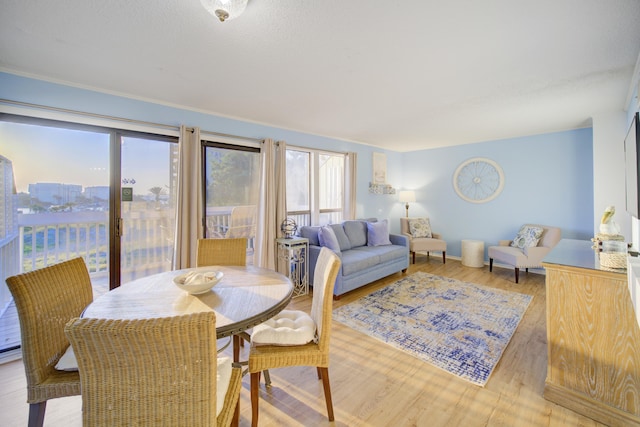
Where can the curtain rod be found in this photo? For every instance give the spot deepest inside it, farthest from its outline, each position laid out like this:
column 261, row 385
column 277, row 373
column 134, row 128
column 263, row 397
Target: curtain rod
column 120, row 119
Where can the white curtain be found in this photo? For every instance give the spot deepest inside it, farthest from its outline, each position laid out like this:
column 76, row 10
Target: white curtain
column 350, row 196
column 189, row 199
column 272, row 209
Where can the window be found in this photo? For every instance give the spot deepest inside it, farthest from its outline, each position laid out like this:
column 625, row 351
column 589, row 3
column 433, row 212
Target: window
column 232, row 185
column 315, row 186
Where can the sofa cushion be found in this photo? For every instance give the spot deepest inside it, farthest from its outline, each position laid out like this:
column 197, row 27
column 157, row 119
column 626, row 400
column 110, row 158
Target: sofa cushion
column 378, row 233
column 311, row 233
column 420, row 227
column 356, row 232
column 358, row 259
column 343, row 240
column 327, row 237
column 384, row 253
column 527, row 237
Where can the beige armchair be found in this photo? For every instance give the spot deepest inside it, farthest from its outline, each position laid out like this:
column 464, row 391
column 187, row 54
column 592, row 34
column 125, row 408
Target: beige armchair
column 527, row 257
column 423, row 244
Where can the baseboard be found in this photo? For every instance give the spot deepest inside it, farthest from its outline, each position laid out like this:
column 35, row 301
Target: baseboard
column 10, row 356
column 589, row 407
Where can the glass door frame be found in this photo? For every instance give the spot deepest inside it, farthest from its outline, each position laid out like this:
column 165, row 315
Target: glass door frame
column 115, row 176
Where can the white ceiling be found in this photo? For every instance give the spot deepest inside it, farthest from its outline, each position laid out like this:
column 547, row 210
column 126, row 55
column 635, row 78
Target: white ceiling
column 402, row 75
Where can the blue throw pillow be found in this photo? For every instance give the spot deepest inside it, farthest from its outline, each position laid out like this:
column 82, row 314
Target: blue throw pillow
column 378, row 233
column 311, row 233
column 327, row 238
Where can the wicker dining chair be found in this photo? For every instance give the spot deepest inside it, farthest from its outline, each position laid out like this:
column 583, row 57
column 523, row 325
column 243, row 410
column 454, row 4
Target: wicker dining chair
column 224, row 252
column 316, row 353
column 151, row 372
column 46, row 299
column 221, row 252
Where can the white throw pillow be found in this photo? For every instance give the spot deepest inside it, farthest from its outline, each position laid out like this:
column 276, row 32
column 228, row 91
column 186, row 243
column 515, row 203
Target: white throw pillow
column 68, row 361
column 289, row 327
column 223, row 377
column 420, row 227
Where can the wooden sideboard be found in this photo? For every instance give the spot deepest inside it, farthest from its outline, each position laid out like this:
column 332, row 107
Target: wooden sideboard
column 593, row 339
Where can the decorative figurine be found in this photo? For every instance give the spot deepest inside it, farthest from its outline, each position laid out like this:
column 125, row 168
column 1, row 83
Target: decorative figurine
column 288, row 228
column 607, row 225
column 609, row 229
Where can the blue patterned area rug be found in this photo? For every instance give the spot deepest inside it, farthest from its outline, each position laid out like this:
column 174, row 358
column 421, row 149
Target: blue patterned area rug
column 457, row 326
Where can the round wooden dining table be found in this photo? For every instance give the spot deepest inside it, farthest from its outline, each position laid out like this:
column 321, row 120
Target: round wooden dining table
column 244, row 297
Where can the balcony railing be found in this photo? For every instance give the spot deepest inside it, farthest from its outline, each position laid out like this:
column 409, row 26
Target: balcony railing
column 44, row 239
column 47, row 238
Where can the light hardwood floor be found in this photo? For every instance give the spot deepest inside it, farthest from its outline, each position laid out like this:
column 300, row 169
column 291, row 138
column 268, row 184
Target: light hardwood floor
column 374, row 384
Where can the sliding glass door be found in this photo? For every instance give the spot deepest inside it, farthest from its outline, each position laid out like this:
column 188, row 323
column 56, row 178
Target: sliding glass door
column 148, row 181
column 72, row 190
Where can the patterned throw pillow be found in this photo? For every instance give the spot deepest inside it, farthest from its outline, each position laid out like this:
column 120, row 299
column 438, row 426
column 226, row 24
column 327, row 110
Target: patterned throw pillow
column 420, row 227
column 527, row 237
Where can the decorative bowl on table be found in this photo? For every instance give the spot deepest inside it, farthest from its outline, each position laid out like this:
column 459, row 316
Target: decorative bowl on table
column 198, row 281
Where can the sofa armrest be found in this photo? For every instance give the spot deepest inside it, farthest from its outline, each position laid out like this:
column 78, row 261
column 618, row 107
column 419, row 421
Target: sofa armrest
column 400, row 240
column 436, row 236
column 504, row 242
column 407, row 235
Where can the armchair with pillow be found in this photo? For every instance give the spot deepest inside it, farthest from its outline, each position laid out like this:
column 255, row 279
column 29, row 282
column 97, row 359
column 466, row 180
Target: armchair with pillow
column 531, row 244
column 422, row 238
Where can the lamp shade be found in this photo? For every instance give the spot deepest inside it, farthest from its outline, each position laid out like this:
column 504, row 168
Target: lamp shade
column 407, row 196
column 225, row 10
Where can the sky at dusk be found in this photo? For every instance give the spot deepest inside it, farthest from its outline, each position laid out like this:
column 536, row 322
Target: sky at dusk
column 55, row 155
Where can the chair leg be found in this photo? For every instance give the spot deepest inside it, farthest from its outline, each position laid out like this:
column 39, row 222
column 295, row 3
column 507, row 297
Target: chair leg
column 267, row 378
column 36, row 414
column 444, row 257
column 517, row 274
column 414, row 257
column 324, row 372
column 490, row 265
column 235, row 421
column 236, row 348
column 255, row 383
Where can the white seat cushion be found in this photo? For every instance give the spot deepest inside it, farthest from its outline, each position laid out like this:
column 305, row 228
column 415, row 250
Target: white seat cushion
column 223, row 377
column 289, row 327
column 68, row 361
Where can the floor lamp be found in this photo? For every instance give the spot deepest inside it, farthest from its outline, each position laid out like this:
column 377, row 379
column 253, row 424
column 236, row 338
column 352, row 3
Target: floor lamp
column 406, row 197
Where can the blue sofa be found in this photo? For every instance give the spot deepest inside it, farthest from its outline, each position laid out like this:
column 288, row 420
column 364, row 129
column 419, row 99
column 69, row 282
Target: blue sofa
column 361, row 264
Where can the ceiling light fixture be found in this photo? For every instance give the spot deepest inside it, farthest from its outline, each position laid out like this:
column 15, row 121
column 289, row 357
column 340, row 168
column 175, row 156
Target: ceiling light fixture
column 225, row 10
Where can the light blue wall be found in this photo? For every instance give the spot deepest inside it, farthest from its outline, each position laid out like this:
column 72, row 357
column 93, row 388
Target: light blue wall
column 548, row 180
column 548, row 177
